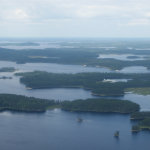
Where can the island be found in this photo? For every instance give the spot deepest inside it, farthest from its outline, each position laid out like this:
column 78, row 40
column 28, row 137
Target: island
column 140, row 115
column 143, row 124
column 23, row 103
column 100, row 105
column 7, row 69
column 74, row 56
column 20, row 44
column 133, row 57
column 5, row 77
column 92, row 81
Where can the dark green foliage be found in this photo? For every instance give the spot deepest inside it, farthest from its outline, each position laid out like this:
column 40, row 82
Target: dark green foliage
column 140, row 115
column 19, row 102
column 135, row 128
column 100, row 105
column 7, row 69
column 93, row 81
column 80, row 56
column 116, row 133
column 145, row 122
column 133, row 57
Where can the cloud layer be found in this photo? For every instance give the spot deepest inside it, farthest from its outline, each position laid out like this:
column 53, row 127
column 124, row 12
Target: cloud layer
column 75, row 16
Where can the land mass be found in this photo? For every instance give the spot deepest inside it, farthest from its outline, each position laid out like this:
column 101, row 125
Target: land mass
column 140, row 91
column 92, row 81
column 100, row 105
column 23, row 103
column 75, row 56
column 20, row 44
column 7, row 69
column 143, row 124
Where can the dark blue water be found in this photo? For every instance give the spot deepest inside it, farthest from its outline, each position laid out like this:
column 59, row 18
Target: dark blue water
column 58, row 129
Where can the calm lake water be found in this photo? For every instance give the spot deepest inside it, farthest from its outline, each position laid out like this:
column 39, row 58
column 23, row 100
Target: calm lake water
column 122, row 57
column 58, row 129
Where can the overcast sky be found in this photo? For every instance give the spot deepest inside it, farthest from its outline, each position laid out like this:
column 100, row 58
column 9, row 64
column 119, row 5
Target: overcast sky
column 74, row 18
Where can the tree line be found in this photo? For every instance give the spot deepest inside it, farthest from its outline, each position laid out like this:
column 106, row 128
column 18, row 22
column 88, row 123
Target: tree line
column 100, row 105
column 93, row 81
column 7, row 69
column 140, row 115
column 19, row 102
column 78, row 56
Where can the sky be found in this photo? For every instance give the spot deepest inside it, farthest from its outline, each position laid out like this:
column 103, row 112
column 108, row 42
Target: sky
column 75, row 18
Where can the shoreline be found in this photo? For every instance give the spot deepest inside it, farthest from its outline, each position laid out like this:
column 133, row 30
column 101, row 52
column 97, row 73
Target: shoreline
column 98, row 111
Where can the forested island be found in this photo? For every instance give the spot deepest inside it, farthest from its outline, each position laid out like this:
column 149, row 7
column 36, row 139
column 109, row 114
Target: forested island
column 23, row 103
column 75, row 56
column 5, row 77
column 100, row 105
column 92, row 81
column 143, row 124
column 133, row 57
column 19, row 44
column 140, row 115
column 7, row 69
column 145, row 120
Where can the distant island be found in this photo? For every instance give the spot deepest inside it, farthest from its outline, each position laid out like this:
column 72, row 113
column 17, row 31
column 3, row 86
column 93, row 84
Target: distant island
column 5, row 77
column 133, row 57
column 20, row 44
column 92, row 81
column 7, row 69
column 73, row 56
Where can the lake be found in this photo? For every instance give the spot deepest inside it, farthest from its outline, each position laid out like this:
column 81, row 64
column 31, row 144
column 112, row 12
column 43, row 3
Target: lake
column 122, row 57
column 58, row 129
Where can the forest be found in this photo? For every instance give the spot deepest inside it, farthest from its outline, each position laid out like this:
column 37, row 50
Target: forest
column 75, row 56
column 140, row 115
column 20, row 44
column 135, row 128
column 92, row 81
column 18, row 102
column 145, row 122
column 23, row 103
column 100, row 105
column 7, row 69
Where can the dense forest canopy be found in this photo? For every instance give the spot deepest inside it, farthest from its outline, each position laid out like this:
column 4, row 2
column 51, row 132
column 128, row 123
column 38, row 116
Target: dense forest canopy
column 140, row 115
column 93, row 81
column 19, row 102
column 78, row 56
column 100, row 105
column 7, row 69
column 145, row 122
